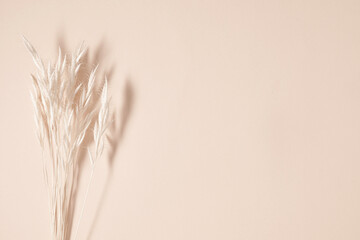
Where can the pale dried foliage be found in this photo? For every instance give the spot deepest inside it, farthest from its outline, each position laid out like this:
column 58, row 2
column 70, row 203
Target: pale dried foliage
column 67, row 109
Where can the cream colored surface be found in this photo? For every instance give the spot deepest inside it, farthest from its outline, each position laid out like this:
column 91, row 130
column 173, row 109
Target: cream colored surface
column 243, row 120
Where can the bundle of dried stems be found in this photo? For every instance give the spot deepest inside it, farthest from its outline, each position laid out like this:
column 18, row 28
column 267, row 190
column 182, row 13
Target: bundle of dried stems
column 66, row 109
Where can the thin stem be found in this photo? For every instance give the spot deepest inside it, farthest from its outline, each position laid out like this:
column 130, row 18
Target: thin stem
column 83, row 206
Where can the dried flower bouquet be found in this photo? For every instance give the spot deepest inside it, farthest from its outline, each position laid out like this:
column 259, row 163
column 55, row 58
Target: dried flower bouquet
column 67, row 110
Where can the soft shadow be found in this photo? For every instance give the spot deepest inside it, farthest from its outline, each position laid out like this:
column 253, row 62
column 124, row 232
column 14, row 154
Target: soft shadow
column 120, row 120
column 116, row 131
column 88, row 63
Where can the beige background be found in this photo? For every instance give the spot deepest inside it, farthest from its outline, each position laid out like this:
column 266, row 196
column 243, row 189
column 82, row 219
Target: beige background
column 243, row 118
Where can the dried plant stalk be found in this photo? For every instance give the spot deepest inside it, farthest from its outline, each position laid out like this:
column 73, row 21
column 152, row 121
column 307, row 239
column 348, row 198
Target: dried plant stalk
column 66, row 108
